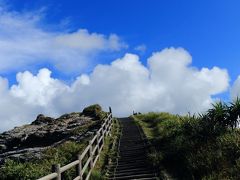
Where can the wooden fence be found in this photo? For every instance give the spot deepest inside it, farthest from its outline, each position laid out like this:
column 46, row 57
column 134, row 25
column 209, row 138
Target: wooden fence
column 87, row 160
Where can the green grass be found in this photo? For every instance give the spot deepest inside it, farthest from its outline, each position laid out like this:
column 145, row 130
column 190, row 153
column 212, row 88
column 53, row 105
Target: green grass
column 192, row 148
column 63, row 154
column 109, row 153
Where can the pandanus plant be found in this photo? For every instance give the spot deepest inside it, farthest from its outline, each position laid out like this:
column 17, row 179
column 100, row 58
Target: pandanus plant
column 218, row 114
column 234, row 113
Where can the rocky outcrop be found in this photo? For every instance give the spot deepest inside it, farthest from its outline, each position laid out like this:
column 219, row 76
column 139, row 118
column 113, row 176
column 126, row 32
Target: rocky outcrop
column 29, row 140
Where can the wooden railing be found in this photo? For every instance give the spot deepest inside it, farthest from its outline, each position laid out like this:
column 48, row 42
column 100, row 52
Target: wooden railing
column 86, row 160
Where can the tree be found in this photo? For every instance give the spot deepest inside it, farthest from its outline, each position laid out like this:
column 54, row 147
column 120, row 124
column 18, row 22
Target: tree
column 234, row 113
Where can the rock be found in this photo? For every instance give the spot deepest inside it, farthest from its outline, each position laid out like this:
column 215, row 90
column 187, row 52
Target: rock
column 41, row 119
column 27, row 141
column 3, row 147
column 93, row 111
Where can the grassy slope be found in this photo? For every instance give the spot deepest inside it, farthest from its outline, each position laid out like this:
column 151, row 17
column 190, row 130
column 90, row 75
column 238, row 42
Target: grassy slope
column 108, row 154
column 61, row 154
column 184, row 147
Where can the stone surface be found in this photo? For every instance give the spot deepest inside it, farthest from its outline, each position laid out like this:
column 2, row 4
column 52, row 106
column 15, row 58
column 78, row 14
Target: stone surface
column 26, row 142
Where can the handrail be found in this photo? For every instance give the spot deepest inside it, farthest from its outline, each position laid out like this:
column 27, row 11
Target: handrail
column 91, row 149
column 118, row 152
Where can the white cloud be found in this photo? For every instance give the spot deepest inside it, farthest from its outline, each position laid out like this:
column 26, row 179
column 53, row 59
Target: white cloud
column 37, row 90
column 235, row 90
column 25, row 42
column 169, row 83
column 141, row 48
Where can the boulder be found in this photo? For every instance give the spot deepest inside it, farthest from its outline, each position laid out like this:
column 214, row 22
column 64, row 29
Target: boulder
column 46, row 132
column 93, row 111
column 41, row 119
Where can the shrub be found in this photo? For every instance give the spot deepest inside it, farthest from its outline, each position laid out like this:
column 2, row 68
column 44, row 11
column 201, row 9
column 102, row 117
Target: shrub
column 94, row 111
column 203, row 146
column 62, row 154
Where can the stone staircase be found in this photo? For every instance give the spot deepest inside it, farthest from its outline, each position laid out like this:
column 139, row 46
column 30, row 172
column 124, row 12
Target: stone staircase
column 132, row 155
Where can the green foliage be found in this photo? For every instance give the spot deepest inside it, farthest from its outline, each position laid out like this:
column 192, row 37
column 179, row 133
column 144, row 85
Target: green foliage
column 205, row 146
column 109, row 153
column 234, row 112
column 96, row 175
column 15, row 170
column 94, row 111
column 63, row 154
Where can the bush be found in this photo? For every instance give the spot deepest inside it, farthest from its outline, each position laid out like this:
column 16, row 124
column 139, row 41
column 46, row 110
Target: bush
column 204, row 146
column 63, row 154
column 94, row 111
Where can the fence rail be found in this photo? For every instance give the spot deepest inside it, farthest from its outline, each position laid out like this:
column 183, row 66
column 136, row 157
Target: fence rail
column 89, row 156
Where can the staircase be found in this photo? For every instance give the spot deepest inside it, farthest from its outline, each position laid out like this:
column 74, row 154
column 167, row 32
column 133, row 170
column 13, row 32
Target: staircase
column 132, row 156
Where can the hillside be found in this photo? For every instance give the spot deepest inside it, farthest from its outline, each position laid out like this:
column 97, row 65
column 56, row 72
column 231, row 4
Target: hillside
column 29, row 151
column 205, row 146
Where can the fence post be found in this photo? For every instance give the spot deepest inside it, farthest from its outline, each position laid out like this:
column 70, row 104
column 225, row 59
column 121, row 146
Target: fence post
column 103, row 134
column 79, row 167
column 56, row 169
column 98, row 148
column 91, row 154
column 109, row 126
column 110, row 109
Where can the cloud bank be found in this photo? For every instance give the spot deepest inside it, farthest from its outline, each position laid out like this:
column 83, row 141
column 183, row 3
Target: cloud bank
column 25, row 42
column 167, row 83
column 235, row 90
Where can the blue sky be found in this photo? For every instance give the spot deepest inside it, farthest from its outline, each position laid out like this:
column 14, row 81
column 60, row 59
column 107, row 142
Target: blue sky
column 209, row 30
column 60, row 56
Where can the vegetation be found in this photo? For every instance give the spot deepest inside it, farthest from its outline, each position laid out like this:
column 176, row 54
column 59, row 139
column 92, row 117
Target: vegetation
column 94, row 111
column 206, row 146
column 108, row 154
column 61, row 154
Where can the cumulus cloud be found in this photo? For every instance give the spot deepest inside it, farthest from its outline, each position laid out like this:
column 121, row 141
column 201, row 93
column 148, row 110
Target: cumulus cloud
column 167, row 83
column 235, row 90
column 25, row 42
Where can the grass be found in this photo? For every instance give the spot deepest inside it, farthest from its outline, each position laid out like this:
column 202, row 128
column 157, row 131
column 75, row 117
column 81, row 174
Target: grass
column 61, row 154
column 190, row 147
column 109, row 153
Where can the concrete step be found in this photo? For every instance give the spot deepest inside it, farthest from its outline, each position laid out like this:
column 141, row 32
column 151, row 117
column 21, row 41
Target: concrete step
column 130, row 171
column 139, row 176
column 133, row 157
column 134, row 166
column 132, row 160
column 129, row 165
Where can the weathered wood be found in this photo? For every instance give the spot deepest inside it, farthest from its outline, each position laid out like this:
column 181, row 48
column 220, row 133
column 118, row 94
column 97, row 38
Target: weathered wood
column 98, row 142
column 57, row 169
column 68, row 166
column 93, row 147
column 85, row 151
column 101, row 148
column 50, row 176
column 94, row 138
column 91, row 154
column 79, row 167
column 101, row 138
column 95, row 160
column 89, row 174
column 86, row 166
column 77, row 178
